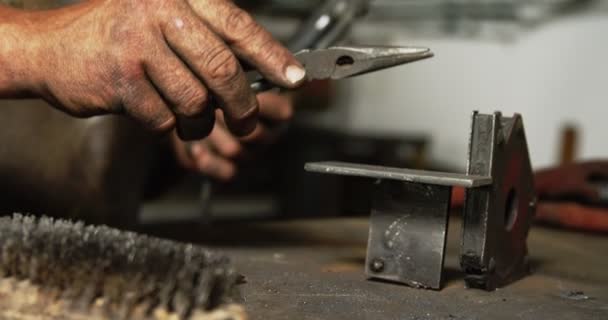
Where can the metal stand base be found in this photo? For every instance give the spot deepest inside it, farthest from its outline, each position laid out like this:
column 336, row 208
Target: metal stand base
column 408, row 232
column 409, row 218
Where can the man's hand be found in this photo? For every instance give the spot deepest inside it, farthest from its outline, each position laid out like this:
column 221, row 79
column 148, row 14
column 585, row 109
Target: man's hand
column 155, row 60
column 217, row 155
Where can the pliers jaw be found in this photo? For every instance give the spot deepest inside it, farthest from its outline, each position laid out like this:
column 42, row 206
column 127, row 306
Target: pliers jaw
column 343, row 62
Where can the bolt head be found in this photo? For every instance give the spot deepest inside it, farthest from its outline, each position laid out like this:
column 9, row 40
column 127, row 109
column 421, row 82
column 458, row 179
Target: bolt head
column 377, row 265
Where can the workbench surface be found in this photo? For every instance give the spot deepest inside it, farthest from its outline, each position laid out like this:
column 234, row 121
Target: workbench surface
column 313, row 269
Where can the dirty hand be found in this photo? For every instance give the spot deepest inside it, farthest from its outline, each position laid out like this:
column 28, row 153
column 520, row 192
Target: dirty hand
column 216, row 156
column 155, row 60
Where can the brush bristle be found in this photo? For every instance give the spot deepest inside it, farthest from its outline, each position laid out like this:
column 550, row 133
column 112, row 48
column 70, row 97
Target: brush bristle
column 124, row 271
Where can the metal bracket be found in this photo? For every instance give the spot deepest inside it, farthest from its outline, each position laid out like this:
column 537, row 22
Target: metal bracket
column 407, row 235
column 497, row 218
column 409, row 218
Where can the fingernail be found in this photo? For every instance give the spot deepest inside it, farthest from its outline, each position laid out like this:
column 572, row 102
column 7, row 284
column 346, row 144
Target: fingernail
column 295, row 74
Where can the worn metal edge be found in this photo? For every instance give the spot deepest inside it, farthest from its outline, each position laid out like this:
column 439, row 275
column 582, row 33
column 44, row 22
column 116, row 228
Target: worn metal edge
column 399, row 174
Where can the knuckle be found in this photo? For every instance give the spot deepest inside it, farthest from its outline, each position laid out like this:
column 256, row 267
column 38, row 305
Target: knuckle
column 152, row 116
column 223, row 66
column 239, row 23
column 268, row 51
column 131, row 73
column 126, row 71
column 120, row 34
column 193, row 103
column 273, row 57
column 127, row 87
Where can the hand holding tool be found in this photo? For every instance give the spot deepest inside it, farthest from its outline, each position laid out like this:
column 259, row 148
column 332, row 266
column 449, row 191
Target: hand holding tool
column 333, row 63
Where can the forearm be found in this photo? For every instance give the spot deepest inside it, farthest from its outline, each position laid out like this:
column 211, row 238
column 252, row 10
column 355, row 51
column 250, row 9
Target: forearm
column 17, row 78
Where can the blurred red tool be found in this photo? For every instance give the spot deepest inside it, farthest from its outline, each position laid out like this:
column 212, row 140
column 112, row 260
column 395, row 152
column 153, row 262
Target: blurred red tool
column 573, row 196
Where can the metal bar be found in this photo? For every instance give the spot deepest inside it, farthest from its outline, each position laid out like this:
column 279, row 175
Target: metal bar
column 407, row 236
column 399, row 174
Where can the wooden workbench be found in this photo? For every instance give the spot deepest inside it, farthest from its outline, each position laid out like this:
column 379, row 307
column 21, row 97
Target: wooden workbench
column 313, row 269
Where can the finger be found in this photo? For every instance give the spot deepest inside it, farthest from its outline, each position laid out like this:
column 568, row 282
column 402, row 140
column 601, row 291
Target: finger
column 195, row 129
column 142, row 102
column 185, row 94
column 224, row 142
column 275, row 106
column 180, row 88
column 251, row 41
column 183, row 153
column 261, row 134
column 211, row 60
column 210, row 164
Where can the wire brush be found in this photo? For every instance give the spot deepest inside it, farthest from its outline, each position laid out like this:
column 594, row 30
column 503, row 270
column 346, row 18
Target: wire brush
column 56, row 269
